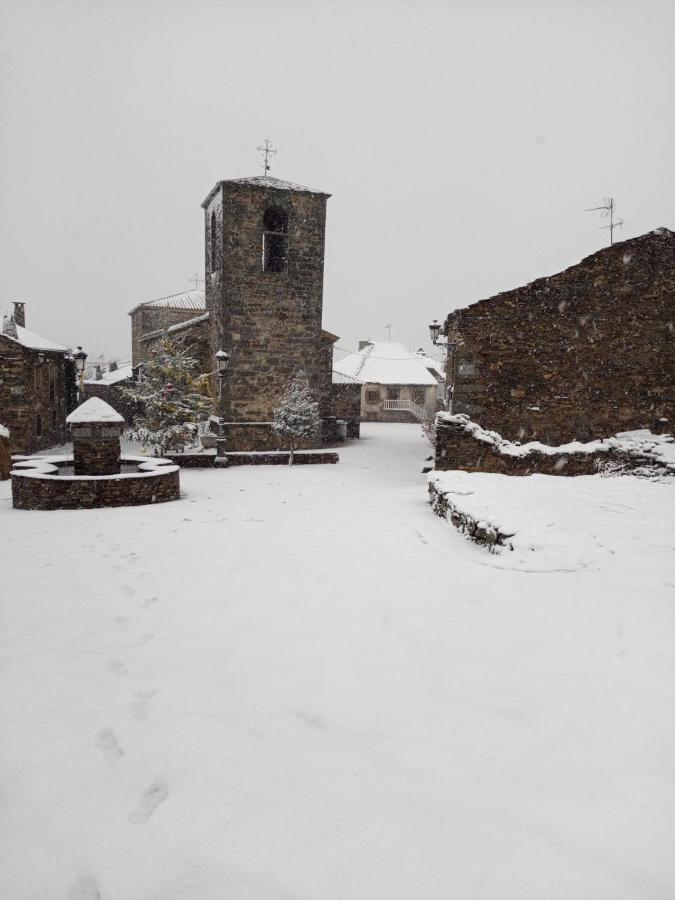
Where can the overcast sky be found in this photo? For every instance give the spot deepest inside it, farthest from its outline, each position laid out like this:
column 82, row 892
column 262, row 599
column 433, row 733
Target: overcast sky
column 461, row 141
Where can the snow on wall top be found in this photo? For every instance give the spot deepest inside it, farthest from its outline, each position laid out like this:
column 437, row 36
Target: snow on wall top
column 4, row 432
column 265, row 181
column 94, row 410
column 33, row 341
column 195, row 299
column 388, row 362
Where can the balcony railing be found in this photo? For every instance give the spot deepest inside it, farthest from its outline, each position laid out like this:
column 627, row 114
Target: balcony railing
column 410, row 406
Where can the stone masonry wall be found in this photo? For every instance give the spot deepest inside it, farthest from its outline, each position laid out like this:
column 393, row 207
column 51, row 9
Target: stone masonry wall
column 34, row 393
column 146, row 319
column 346, row 403
column 462, row 444
column 581, row 354
column 5, row 455
column 59, row 492
column 269, row 322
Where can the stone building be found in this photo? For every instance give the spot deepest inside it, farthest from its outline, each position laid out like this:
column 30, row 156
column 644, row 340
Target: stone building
column 264, row 247
column 581, row 354
column 182, row 314
column 397, row 384
column 37, row 386
column 108, row 386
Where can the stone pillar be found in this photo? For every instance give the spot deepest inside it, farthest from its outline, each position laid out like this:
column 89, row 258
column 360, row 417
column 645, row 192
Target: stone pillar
column 96, row 429
column 96, row 448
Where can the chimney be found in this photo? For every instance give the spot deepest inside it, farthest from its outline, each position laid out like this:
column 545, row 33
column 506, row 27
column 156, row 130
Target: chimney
column 19, row 313
column 113, row 366
column 98, row 375
column 363, row 344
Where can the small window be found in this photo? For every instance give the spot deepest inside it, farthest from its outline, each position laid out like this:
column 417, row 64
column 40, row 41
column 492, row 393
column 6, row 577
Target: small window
column 213, row 233
column 372, row 396
column 275, row 239
column 393, row 393
column 38, row 426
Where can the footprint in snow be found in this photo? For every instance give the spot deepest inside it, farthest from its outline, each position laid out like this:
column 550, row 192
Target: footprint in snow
column 121, row 620
column 85, row 888
column 149, row 601
column 142, row 641
column 107, row 744
column 148, row 802
column 117, row 666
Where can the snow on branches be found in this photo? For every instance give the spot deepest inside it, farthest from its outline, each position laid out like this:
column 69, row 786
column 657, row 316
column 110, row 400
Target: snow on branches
column 297, row 416
column 171, row 395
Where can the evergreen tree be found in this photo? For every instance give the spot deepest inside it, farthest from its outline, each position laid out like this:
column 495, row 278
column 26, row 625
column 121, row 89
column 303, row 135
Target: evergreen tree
column 297, row 416
column 171, row 396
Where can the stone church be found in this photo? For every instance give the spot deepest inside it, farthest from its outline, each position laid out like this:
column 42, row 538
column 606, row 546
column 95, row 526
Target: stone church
column 263, row 304
column 264, row 297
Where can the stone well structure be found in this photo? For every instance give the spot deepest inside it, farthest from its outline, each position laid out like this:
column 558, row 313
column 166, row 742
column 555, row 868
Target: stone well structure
column 97, row 474
column 96, row 428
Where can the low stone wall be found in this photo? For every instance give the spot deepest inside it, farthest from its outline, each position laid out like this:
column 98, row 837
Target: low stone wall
column 5, row 455
column 481, row 532
column 463, row 444
column 193, row 460
column 280, row 458
column 37, row 484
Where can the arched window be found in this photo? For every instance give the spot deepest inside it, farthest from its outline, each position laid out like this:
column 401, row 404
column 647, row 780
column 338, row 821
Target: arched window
column 38, row 426
column 275, row 239
column 213, row 234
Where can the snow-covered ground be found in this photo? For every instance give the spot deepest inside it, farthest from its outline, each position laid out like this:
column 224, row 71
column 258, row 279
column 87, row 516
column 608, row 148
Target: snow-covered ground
column 300, row 683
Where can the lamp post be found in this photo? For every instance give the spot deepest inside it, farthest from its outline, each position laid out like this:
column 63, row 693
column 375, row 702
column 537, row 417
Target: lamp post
column 80, row 358
column 222, row 362
column 434, row 331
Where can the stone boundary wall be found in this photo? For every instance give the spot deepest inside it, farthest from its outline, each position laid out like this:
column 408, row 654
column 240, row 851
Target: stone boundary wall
column 481, row 532
column 36, row 484
column 280, row 458
column 463, row 444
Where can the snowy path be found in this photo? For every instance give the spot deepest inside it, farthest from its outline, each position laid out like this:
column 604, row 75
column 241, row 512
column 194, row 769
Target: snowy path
column 299, row 683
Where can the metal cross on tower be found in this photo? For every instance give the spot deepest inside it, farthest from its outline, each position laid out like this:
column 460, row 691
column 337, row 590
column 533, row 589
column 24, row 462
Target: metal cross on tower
column 266, row 149
column 196, row 280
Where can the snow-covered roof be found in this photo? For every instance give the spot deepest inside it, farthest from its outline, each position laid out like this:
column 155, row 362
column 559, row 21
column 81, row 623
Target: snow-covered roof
column 264, row 181
column 341, row 378
column 119, row 374
column 195, row 299
column 94, row 410
column 33, row 341
column 388, row 362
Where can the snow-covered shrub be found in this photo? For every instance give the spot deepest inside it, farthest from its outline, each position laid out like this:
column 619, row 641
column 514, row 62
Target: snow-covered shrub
column 172, row 398
column 297, row 416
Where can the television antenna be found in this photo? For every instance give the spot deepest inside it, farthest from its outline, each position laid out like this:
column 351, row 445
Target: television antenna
column 607, row 210
column 266, row 149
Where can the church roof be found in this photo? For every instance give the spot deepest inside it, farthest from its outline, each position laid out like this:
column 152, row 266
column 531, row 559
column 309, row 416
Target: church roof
column 265, row 181
column 195, row 299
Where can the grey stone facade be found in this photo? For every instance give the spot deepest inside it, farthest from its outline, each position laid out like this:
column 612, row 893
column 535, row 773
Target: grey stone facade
column 264, row 242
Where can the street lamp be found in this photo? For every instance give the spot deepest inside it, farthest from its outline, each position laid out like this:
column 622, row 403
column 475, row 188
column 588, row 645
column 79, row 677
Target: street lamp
column 80, row 358
column 434, row 331
column 222, row 362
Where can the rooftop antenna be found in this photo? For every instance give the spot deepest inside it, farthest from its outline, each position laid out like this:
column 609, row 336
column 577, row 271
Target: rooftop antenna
column 196, row 280
column 388, row 328
column 267, row 149
column 607, row 209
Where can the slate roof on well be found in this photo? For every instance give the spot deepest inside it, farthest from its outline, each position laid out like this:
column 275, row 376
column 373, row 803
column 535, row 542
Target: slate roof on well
column 94, row 410
column 388, row 362
column 195, row 299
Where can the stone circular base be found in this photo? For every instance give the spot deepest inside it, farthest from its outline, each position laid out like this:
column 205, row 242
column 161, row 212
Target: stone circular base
column 38, row 482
